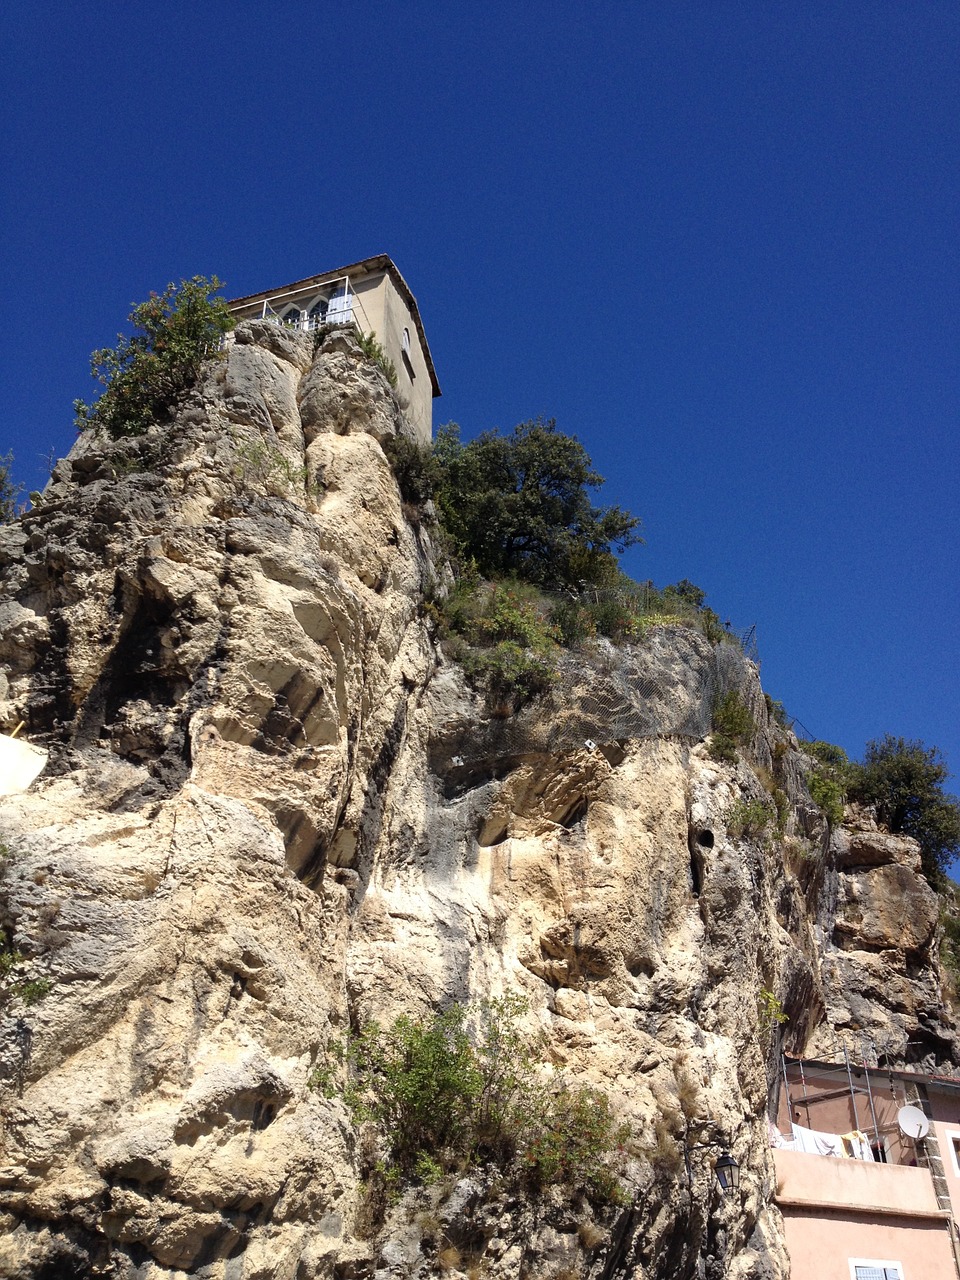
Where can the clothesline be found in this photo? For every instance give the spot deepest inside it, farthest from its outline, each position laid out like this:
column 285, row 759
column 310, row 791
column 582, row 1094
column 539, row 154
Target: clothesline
column 845, row 1146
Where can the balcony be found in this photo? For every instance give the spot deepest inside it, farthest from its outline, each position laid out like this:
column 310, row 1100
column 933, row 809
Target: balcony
column 829, row 1183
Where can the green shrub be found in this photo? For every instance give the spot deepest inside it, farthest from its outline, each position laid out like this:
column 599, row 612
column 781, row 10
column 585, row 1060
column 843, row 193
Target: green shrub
column 510, row 674
column 777, row 711
column 769, row 1010
column 466, row 1087
column 9, row 492
column 145, row 375
column 828, row 794
column 750, row 817
column 414, row 467
column 573, row 621
column 827, row 780
column 905, row 781
column 510, row 647
column 374, row 351
column 733, row 726
column 519, row 504
column 827, row 753
column 613, row 618
column 14, row 985
column 257, row 462
column 950, row 936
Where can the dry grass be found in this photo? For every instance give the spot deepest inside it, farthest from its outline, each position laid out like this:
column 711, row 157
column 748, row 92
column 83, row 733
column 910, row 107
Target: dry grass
column 590, row 1234
column 688, row 1087
column 449, row 1259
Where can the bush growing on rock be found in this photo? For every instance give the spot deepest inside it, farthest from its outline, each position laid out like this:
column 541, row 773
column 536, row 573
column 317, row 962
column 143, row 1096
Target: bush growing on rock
column 507, row 647
column 144, row 375
column 466, row 1088
column 904, row 780
column 751, row 818
column 733, row 726
column 14, row 984
column 9, row 491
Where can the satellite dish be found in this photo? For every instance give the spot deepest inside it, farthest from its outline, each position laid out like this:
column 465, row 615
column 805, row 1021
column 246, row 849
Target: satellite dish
column 913, row 1123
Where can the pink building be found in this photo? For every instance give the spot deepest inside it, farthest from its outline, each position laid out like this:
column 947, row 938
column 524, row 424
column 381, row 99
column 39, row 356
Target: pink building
column 868, row 1172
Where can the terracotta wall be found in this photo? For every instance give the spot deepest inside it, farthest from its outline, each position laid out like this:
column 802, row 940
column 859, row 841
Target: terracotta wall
column 836, row 1210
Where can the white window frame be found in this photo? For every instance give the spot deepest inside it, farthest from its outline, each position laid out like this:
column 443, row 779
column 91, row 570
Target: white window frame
column 879, row 1264
column 952, row 1137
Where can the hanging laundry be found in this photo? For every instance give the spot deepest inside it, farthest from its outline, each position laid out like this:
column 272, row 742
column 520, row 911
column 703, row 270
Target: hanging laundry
column 858, row 1145
column 816, row 1143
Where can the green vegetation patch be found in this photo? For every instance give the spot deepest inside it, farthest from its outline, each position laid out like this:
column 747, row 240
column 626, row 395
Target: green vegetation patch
column 14, row 985
column 904, row 780
column 519, row 505
column 145, row 374
column 466, row 1088
column 733, row 727
column 373, row 350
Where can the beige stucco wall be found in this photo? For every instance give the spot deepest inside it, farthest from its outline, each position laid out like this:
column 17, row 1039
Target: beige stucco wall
column 413, row 378
column 835, row 1210
column 821, row 1245
column 853, row 1183
column 947, row 1135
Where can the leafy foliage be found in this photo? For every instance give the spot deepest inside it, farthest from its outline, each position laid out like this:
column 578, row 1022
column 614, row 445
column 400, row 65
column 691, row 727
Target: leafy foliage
column 778, row 712
column 827, row 781
column 257, row 462
column 519, row 504
column 769, row 1010
column 145, row 374
column 9, row 492
column 950, row 937
column 466, row 1087
column 733, row 726
column 750, row 817
column 827, row 792
column 905, row 781
column 827, row 753
column 373, row 350
column 415, row 468
column 14, row 985
column 511, row 647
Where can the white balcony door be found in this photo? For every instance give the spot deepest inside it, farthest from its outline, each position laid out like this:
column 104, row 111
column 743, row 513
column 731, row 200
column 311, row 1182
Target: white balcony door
column 340, row 310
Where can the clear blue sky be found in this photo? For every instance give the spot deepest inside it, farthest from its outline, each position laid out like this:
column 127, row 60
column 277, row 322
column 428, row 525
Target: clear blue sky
column 717, row 241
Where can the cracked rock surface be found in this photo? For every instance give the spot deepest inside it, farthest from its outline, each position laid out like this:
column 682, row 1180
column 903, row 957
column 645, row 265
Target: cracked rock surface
column 273, row 809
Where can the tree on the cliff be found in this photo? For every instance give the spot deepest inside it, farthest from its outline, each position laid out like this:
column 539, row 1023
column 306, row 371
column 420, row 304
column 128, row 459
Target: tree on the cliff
column 905, row 781
column 145, row 374
column 520, row 505
column 9, row 491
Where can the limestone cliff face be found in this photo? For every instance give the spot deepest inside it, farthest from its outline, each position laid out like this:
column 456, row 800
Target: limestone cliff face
column 273, row 808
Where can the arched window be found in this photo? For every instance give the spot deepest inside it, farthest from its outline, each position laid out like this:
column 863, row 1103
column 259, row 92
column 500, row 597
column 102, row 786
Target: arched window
column 405, row 342
column 292, row 317
column 318, row 314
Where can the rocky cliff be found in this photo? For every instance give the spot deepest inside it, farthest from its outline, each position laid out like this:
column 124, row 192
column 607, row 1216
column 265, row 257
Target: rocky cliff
column 273, row 810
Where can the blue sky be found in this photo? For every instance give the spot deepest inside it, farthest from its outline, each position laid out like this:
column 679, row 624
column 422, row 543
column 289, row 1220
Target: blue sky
column 716, row 241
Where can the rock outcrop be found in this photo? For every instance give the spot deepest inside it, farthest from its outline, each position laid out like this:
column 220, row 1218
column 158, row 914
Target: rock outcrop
column 273, row 809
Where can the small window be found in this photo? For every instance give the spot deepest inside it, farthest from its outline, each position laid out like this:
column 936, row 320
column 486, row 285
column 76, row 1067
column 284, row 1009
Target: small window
column 953, row 1146
column 318, row 314
column 872, row 1269
column 292, row 317
column 405, row 354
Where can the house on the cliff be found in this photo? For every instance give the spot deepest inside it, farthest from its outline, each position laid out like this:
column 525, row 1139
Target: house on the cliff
column 372, row 296
column 868, row 1171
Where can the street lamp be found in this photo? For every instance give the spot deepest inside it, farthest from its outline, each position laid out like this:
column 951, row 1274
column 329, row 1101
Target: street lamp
column 726, row 1167
column 727, row 1171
